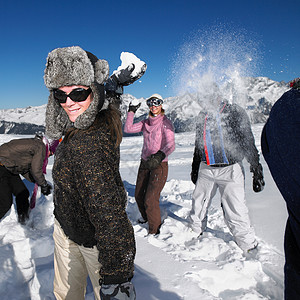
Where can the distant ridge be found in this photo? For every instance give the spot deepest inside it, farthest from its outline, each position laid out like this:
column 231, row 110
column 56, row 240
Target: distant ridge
column 260, row 94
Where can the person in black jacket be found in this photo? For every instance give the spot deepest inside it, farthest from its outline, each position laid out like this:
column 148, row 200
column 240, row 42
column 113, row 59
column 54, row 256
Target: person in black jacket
column 280, row 142
column 92, row 233
column 223, row 139
column 24, row 157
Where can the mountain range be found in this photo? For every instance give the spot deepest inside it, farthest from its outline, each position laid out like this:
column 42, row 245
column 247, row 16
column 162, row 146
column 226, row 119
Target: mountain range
column 255, row 94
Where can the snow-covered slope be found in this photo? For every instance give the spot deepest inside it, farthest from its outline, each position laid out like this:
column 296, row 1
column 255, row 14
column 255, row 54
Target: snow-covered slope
column 176, row 265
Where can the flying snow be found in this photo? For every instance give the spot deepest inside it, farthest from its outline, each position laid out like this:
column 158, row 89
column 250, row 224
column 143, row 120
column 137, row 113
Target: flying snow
column 218, row 55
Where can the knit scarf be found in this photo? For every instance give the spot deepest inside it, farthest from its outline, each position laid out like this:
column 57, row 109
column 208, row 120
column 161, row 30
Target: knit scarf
column 208, row 145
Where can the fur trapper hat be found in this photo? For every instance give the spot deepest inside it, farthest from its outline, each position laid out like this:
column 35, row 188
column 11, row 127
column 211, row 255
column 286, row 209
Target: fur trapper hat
column 73, row 66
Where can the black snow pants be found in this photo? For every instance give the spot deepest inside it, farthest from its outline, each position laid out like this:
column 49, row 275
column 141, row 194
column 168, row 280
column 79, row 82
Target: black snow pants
column 11, row 184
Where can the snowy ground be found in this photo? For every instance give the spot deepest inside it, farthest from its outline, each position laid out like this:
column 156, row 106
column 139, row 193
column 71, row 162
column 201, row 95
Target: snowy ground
column 174, row 265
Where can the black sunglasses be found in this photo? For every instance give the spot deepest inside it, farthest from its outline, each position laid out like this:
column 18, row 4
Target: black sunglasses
column 154, row 102
column 77, row 95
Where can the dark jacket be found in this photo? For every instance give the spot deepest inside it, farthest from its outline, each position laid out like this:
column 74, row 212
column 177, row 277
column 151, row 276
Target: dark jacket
column 280, row 143
column 25, row 157
column 90, row 199
column 238, row 138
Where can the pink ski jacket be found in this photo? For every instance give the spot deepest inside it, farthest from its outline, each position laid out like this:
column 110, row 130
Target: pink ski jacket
column 158, row 134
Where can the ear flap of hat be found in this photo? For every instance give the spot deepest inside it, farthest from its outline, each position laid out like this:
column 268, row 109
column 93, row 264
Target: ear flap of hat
column 101, row 71
column 56, row 119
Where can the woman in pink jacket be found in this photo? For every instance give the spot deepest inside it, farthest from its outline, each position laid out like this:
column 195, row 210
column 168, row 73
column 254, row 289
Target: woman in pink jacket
column 159, row 143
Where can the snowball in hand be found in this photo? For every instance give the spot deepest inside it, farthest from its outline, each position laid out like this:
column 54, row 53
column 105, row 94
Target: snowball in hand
column 135, row 102
column 128, row 58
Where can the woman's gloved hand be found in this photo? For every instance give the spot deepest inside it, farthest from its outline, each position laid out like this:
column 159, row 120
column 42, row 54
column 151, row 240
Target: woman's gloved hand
column 123, row 77
column 133, row 107
column 154, row 160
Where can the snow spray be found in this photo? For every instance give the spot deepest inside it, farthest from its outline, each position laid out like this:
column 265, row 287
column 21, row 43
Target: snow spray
column 217, row 56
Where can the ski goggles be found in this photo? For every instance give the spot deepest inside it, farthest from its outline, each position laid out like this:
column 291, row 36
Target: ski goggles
column 77, row 95
column 154, row 102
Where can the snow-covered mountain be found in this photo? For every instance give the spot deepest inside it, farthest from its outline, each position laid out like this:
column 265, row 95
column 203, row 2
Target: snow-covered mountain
column 256, row 94
column 30, row 114
column 26, row 120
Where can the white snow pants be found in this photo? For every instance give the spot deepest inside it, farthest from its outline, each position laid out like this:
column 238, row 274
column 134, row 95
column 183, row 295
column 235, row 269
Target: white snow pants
column 230, row 181
column 72, row 265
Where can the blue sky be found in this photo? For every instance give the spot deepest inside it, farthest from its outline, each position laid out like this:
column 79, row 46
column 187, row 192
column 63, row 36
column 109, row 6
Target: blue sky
column 155, row 31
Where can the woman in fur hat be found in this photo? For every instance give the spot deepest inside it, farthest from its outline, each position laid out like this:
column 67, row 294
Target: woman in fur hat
column 92, row 233
column 159, row 143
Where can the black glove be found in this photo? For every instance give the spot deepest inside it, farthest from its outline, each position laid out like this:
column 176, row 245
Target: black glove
column 258, row 178
column 125, row 77
column 154, row 160
column 134, row 108
column 122, row 78
column 46, row 189
column 122, row 291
